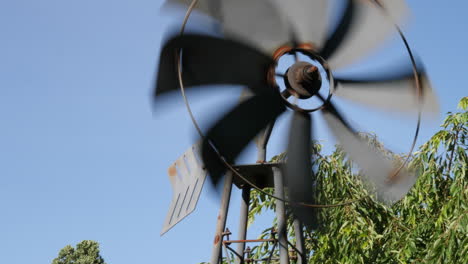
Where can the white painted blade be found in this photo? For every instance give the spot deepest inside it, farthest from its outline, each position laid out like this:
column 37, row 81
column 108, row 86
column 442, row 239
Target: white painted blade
column 376, row 169
column 372, row 26
column 187, row 177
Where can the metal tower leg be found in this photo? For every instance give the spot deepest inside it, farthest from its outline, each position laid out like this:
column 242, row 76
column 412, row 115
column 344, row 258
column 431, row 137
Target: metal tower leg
column 302, row 258
column 222, row 216
column 244, row 213
column 281, row 216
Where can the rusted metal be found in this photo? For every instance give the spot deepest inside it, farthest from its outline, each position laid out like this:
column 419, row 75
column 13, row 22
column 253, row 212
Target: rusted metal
column 265, row 259
column 216, row 239
column 222, row 216
column 243, row 221
column 277, row 54
column 306, row 46
column 249, row 241
column 226, row 235
column 227, row 232
column 304, row 79
column 280, row 52
column 311, row 74
column 172, row 171
column 329, row 76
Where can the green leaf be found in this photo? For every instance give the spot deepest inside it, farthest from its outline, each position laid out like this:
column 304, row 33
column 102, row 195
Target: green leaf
column 86, row 252
column 463, row 104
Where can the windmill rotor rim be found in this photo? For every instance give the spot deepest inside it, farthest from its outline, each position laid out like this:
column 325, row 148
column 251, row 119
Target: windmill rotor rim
column 332, row 82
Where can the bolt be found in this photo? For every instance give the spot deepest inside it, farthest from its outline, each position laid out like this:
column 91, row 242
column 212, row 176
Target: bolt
column 226, row 233
column 247, row 252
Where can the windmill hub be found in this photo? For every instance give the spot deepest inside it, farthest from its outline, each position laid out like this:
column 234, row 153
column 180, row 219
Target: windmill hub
column 303, row 80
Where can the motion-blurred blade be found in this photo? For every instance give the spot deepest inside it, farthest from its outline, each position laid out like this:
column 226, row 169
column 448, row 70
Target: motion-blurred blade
column 376, row 170
column 299, row 176
column 257, row 23
column 308, row 18
column 341, row 31
column 364, row 27
column 262, row 138
column 399, row 93
column 209, row 60
column 235, row 130
column 397, row 10
column 207, row 7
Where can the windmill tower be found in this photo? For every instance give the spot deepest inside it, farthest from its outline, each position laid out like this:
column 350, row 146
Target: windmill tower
column 187, row 177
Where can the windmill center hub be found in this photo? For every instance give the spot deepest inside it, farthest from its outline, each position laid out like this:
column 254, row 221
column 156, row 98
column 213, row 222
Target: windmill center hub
column 303, row 80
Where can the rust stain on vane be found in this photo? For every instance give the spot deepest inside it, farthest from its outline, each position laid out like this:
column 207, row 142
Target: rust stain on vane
column 172, row 171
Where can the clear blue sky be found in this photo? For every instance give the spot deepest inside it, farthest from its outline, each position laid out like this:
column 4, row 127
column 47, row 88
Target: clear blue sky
column 83, row 157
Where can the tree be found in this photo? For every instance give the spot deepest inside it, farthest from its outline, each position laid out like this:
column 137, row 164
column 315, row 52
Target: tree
column 429, row 225
column 86, row 252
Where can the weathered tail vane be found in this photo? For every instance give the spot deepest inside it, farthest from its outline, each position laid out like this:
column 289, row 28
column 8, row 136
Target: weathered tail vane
column 187, row 176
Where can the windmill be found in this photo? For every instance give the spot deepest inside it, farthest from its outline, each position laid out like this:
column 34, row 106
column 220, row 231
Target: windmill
column 257, row 34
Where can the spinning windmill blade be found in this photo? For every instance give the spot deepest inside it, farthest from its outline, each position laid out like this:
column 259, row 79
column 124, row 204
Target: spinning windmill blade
column 237, row 128
column 364, row 26
column 207, row 7
column 396, row 93
column 248, row 57
column 299, row 170
column 270, row 23
column 204, row 54
column 392, row 183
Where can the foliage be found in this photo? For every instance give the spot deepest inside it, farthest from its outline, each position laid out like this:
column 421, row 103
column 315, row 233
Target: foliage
column 86, row 252
column 429, row 225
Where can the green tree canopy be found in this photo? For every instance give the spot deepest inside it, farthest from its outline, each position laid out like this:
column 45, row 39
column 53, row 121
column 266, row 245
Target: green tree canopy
column 86, row 252
column 429, row 225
